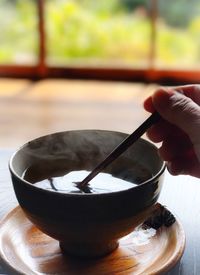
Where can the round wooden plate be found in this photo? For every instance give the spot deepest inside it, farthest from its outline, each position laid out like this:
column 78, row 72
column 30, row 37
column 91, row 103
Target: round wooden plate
column 26, row 250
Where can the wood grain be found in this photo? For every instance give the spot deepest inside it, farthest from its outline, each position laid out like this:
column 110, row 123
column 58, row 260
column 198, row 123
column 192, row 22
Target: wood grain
column 141, row 252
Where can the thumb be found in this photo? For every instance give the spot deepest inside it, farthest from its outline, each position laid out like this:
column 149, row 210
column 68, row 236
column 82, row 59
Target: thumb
column 179, row 110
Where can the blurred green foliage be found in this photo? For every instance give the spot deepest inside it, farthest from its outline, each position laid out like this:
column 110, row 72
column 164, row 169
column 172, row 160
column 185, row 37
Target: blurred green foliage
column 130, row 5
column 95, row 31
column 109, row 31
column 179, row 13
column 19, row 35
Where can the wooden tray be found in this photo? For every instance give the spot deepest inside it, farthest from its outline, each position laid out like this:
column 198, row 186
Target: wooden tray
column 26, row 250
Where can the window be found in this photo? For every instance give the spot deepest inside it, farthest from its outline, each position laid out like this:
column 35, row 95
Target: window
column 153, row 40
column 19, row 36
column 178, row 34
column 97, row 33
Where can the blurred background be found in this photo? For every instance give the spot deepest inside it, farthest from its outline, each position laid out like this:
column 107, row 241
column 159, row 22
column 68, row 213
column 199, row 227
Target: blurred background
column 67, row 64
column 119, row 33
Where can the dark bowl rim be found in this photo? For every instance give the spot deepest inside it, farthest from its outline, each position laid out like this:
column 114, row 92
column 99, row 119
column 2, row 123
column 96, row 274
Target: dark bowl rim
column 147, row 182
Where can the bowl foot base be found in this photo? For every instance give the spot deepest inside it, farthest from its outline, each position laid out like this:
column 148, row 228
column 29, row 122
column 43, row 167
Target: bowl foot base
column 88, row 250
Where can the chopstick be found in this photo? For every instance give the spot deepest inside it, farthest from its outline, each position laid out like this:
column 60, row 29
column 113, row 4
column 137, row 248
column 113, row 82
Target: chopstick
column 122, row 147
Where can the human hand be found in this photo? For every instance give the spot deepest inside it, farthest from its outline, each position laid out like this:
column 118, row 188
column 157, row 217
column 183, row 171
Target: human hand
column 179, row 130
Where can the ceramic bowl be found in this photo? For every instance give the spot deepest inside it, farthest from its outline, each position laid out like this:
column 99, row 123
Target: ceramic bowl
column 87, row 225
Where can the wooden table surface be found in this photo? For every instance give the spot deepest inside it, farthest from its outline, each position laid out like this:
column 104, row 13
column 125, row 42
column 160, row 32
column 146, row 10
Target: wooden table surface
column 54, row 105
column 181, row 195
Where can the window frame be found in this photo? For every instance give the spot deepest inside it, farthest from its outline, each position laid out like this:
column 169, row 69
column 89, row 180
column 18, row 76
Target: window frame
column 148, row 75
